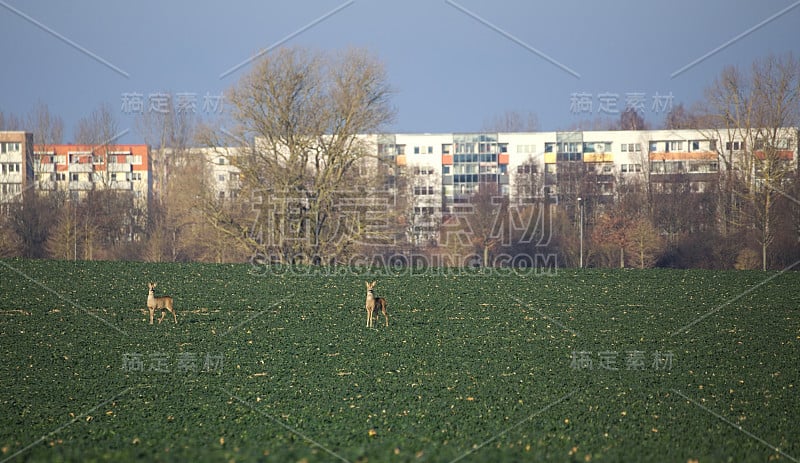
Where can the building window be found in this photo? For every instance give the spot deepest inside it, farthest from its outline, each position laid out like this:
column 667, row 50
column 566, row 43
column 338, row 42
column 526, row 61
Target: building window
column 9, row 147
column 675, row 146
column 624, row 147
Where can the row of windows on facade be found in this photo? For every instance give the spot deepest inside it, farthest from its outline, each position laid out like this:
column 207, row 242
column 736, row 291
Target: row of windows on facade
column 10, row 168
column 578, row 147
column 232, row 176
column 474, row 168
column 385, row 149
column 10, row 147
column 467, row 189
column 87, row 158
column 656, row 167
column 10, row 188
column 96, row 177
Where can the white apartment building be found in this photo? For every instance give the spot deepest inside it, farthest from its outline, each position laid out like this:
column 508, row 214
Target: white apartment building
column 444, row 170
column 16, row 166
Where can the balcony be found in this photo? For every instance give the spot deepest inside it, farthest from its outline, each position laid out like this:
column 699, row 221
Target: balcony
column 121, row 185
column 44, row 167
column 80, row 167
column 80, row 185
column 47, row 185
column 683, row 156
column 119, row 167
column 11, row 177
column 11, row 157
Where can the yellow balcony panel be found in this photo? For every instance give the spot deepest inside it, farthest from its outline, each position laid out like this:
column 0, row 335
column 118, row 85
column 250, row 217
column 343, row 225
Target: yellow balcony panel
column 598, row 157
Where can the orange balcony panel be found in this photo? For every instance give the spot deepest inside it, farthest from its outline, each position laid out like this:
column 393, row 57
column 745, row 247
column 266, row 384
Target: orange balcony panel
column 684, row 156
column 447, row 159
column 401, row 160
column 502, row 158
column 784, row 155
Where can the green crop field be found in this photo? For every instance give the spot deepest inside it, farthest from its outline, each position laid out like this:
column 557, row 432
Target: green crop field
column 653, row 365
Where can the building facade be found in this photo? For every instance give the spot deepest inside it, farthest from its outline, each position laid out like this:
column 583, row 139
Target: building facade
column 79, row 169
column 443, row 171
column 16, row 166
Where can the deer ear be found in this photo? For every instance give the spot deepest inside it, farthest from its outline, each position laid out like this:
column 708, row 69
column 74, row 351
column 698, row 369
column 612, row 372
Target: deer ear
column 373, row 283
column 366, row 283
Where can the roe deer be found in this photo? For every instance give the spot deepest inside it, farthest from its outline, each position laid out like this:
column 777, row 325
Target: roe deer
column 373, row 303
column 163, row 303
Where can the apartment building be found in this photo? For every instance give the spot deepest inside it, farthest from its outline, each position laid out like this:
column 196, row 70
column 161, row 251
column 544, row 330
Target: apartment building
column 78, row 169
column 16, row 166
column 212, row 166
column 444, row 170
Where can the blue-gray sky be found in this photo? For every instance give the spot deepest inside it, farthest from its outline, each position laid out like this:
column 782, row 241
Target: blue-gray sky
column 454, row 64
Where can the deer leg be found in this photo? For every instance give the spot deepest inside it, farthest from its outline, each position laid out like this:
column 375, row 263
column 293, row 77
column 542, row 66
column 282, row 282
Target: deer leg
column 151, row 315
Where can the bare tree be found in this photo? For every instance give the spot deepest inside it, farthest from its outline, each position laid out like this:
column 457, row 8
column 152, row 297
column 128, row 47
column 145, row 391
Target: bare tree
column 298, row 115
column 99, row 128
column 485, row 218
column 10, row 122
column 174, row 230
column 512, row 121
column 47, row 128
column 680, row 118
column 630, row 119
column 31, row 220
column 755, row 112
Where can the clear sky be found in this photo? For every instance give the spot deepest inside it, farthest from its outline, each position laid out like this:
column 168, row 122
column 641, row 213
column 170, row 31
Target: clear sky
column 453, row 63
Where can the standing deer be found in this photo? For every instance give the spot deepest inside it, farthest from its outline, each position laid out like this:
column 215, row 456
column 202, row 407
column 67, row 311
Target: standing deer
column 373, row 303
column 163, row 303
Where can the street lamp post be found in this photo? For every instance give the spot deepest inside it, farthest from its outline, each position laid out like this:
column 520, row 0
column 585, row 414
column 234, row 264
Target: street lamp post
column 580, row 206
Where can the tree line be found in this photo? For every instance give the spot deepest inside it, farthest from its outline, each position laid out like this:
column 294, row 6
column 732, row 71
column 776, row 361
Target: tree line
column 311, row 191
